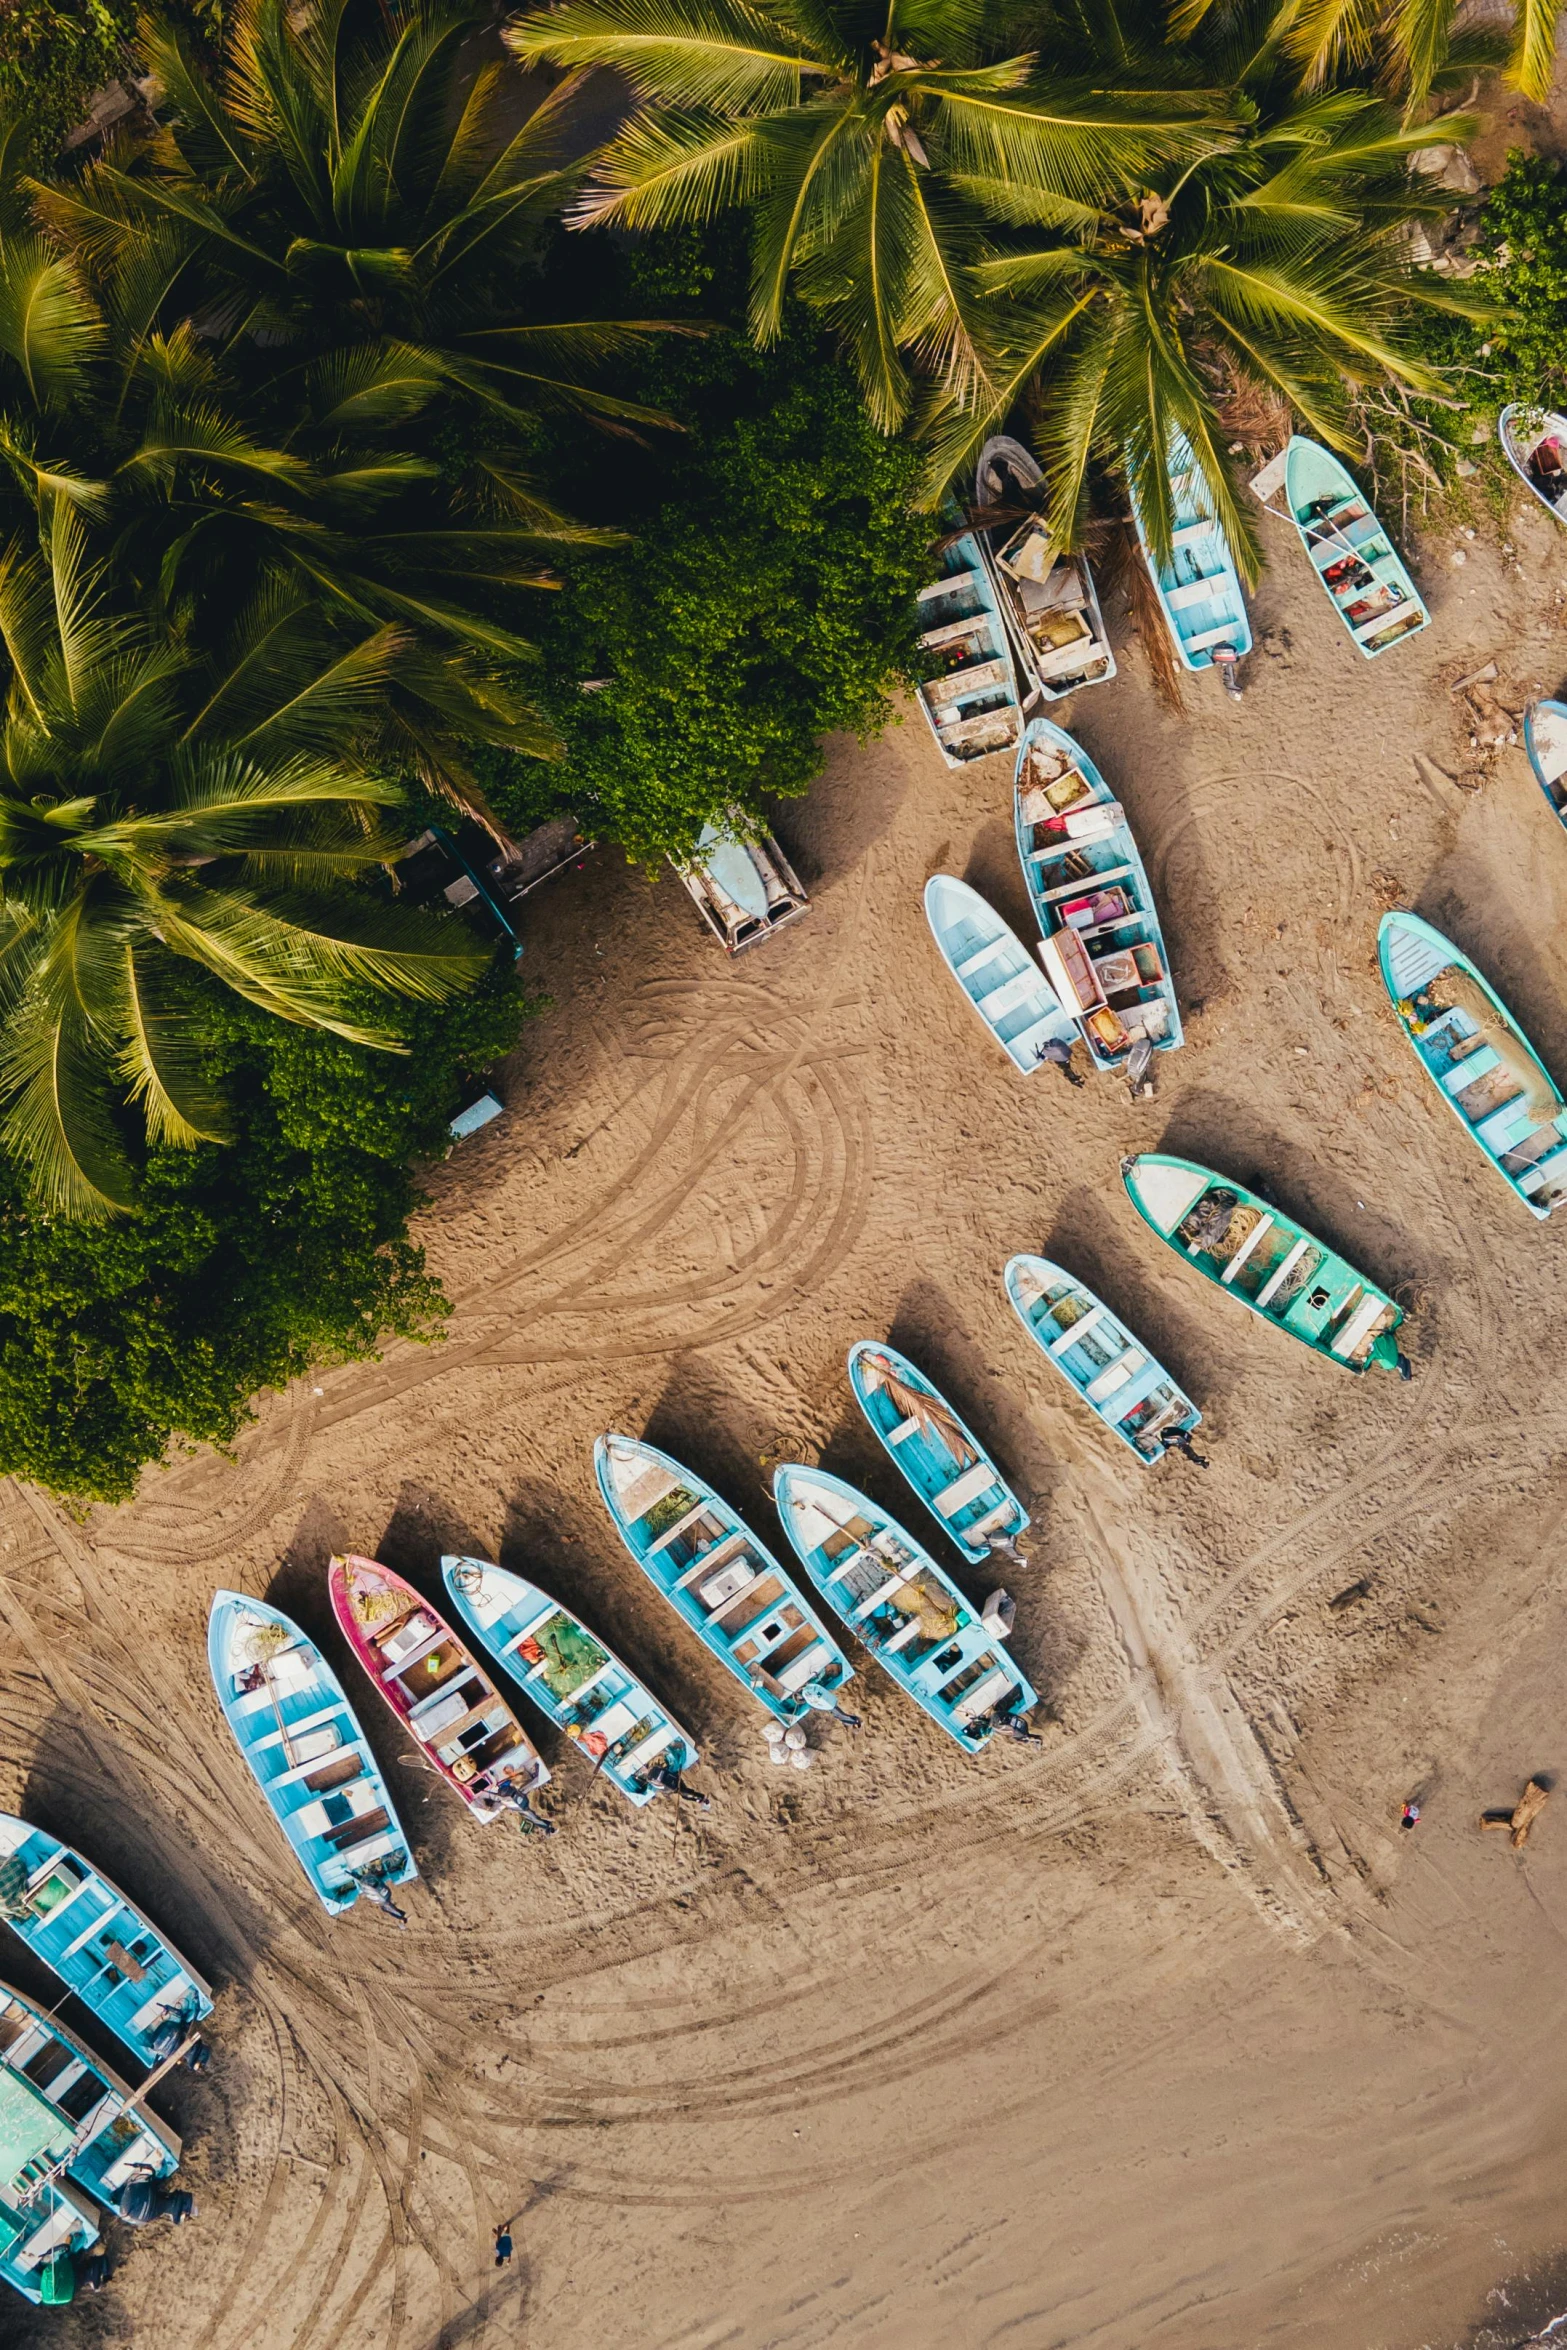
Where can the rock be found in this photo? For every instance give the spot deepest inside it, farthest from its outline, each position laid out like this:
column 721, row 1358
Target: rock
column 1450, row 167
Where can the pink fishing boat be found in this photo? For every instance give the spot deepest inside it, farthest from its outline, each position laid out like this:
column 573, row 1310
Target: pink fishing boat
column 437, row 1690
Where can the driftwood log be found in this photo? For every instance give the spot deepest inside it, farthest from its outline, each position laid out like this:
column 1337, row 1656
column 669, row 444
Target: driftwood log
column 1522, row 1816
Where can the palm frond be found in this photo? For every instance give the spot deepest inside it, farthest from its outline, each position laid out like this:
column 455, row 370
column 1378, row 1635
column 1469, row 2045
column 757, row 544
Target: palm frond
column 160, row 1061
column 665, row 169
column 718, row 55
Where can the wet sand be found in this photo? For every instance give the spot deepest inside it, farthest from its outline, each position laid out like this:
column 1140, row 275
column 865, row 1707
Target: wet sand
column 1161, row 2033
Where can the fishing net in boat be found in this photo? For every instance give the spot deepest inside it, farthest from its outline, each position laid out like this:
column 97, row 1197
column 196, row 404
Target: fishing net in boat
column 936, row 1610
column 933, row 1419
column 569, row 1656
column 378, row 1606
column 1454, row 990
column 13, row 1887
column 258, row 1644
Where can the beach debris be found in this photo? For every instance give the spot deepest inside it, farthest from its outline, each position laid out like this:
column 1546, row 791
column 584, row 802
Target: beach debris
column 1484, row 676
column 1523, row 1815
column 1347, row 1598
column 1444, row 788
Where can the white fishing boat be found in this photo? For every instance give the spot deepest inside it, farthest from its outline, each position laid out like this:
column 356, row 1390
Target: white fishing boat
column 1048, row 600
column 974, row 705
column 1534, row 442
column 992, row 966
column 743, row 888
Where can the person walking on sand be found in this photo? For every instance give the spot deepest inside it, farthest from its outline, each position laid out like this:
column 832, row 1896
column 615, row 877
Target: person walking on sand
column 1411, row 1815
column 503, row 2245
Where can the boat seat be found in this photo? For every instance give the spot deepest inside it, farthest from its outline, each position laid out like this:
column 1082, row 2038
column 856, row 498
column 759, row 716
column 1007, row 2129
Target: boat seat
column 1080, row 1329
column 981, row 955
column 1360, row 1321
column 1012, row 992
column 1507, row 1125
column 1115, row 1375
column 1128, row 1398
column 904, row 1429
column 1193, row 591
column 649, row 1750
column 982, row 1696
column 1227, row 633
column 902, row 1637
column 1474, row 1065
column 954, row 583
column 1281, row 1273
column 386, row 1840
column 1533, row 1176
column 615, row 1720
column 1258, row 1233
column 804, row 1667
column 963, row 1490
column 1189, row 533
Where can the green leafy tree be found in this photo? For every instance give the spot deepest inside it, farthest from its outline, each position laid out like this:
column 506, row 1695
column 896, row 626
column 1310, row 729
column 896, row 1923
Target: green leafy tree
column 247, row 1266
column 157, row 809
column 865, row 146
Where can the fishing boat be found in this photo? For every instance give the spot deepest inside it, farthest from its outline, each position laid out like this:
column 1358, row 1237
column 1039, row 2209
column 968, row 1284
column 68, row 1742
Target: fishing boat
column 743, row 888
column 1534, row 442
column 1103, row 951
column 1362, row 575
column 1479, row 1058
column 102, row 1947
column 306, row 1752
column 942, row 1459
column 720, row 1580
column 991, row 965
column 1545, row 740
column 974, row 706
column 1198, row 587
column 572, row 1677
column 910, row 1615
column 1272, row 1264
column 47, row 2226
column 1101, row 1361
column 1048, row 600
column 443, row 1698
column 112, row 2140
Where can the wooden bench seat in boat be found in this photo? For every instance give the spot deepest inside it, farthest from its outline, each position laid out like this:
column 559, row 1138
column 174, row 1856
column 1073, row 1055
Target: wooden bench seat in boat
column 964, row 1489
column 981, row 1697
column 384, row 1841
column 1193, row 591
column 980, row 957
column 1127, row 1399
column 1477, row 1064
column 294, row 1731
column 955, row 583
column 1014, row 991
column 1188, row 534
column 903, row 1430
column 1358, row 1324
column 1531, row 1177
column 1115, row 1374
column 1258, row 1233
column 1281, row 1273
column 1507, row 1124
column 1084, row 885
column 805, row 1666
column 959, row 684
column 1226, row 631
column 1079, row 1329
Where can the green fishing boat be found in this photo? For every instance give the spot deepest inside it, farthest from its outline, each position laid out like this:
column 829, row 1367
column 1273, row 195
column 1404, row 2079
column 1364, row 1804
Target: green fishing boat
column 1249, row 1247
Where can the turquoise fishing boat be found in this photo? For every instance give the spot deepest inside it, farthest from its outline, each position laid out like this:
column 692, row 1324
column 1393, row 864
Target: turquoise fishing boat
column 1272, row 1264
column 1048, row 599
column 102, row 1947
column 1479, row 1059
column 720, row 1580
column 1101, row 1361
column 1545, row 740
column 571, row 1676
column 1103, row 950
column 973, row 707
column 47, row 2226
column 307, row 1753
column 112, row 2145
column 1362, row 575
column 1198, row 587
column 910, row 1615
column 991, row 965
column 942, row 1459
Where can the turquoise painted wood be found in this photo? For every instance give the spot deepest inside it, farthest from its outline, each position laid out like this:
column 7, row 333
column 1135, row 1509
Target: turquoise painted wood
column 571, row 1677
column 942, row 1459
column 723, row 1584
column 992, row 966
column 306, row 1751
column 1363, row 576
column 974, row 705
column 1091, row 881
column 109, row 2145
column 1100, row 1360
column 1545, row 740
column 1198, row 587
column 1257, row 1254
column 907, row 1610
column 44, row 2232
column 101, row 1946
column 1478, row 1058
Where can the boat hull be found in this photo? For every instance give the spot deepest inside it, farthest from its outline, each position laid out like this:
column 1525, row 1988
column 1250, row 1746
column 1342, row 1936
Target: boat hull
column 991, row 965
column 569, row 1674
column 1344, row 540
column 900, row 1603
column 327, row 1810
column 433, row 1684
column 725, row 1586
column 1545, row 740
column 99, row 1944
column 1107, row 906
column 1494, row 1082
column 1522, row 431
column 1198, row 588
column 939, row 1457
column 1266, row 1261
column 1123, row 1385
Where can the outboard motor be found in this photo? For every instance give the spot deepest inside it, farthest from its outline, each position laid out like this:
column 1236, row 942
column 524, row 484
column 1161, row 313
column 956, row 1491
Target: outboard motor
column 142, row 2201
column 1227, row 662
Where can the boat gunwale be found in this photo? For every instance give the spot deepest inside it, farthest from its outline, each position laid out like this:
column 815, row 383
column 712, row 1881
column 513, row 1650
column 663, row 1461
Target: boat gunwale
column 976, row 1556
column 1545, row 702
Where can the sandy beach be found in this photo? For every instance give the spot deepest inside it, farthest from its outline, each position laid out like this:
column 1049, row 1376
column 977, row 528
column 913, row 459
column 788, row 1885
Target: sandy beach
column 1158, row 2033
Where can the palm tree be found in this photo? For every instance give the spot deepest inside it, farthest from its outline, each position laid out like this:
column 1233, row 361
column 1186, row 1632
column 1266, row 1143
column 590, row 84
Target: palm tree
column 865, row 145
column 1407, row 43
column 163, row 815
column 1279, row 256
column 313, row 278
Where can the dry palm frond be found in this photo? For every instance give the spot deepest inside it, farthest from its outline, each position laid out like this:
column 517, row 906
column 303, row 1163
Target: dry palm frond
column 934, row 1419
column 1127, row 569
column 1252, row 413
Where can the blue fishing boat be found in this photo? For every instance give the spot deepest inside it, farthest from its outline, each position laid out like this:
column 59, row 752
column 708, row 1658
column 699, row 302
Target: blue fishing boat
column 910, row 1615
column 1534, row 442
column 98, row 1942
column 1362, row 575
column 1252, row 1250
column 307, row 1753
column 1545, row 740
column 1198, row 587
column 1479, row 1059
column 991, row 965
column 572, row 1677
column 942, row 1459
column 47, row 2226
column 1101, row 1361
column 1103, row 949
column 720, row 1580
column 1048, row 599
column 973, row 707
column 105, row 2140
